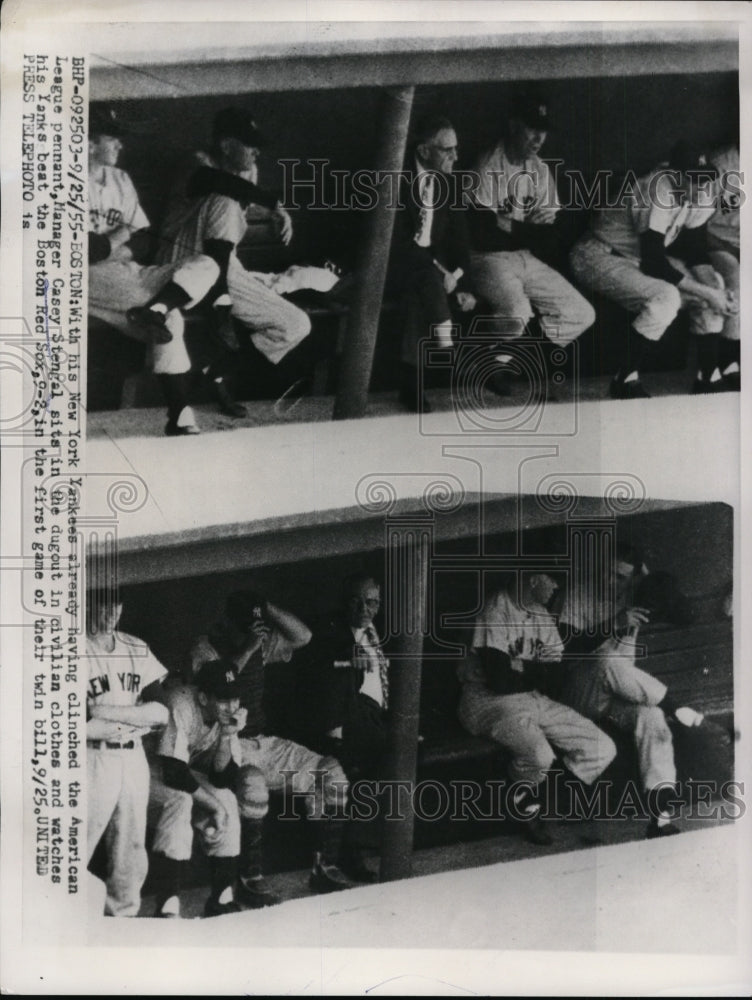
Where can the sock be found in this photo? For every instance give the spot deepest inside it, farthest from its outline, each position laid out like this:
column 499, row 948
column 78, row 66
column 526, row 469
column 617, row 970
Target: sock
column 707, row 358
column 251, row 848
column 167, row 876
column 175, row 389
column 223, row 874
column 729, row 355
column 172, row 296
column 660, row 804
column 633, row 356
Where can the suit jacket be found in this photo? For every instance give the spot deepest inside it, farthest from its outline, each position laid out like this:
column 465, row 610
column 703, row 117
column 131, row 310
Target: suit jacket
column 449, row 235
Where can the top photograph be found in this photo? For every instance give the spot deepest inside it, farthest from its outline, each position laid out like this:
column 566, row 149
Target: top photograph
column 515, row 221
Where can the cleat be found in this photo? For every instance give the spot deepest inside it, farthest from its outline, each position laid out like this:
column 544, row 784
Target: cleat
column 414, row 401
column 328, row 878
column 627, row 390
column 535, row 833
column 702, row 385
column 214, row 908
column 255, row 893
column 667, row 830
column 732, row 382
column 152, row 324
column 500, row 382
column 176, row 429
column 227, row 404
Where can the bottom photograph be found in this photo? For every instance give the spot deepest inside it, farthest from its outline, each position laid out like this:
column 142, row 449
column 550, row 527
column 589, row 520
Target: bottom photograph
column 422, row 707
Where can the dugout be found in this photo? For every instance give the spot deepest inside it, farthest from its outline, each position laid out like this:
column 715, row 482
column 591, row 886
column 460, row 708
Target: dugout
column 621, row 94
column 436, row 556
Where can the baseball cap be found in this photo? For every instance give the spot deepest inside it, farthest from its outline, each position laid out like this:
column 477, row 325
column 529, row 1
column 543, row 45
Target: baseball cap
column 245, row 607
column 234, row 123
column 218, row 678
column 532, row 108
column 691, row 158
column 104, row 120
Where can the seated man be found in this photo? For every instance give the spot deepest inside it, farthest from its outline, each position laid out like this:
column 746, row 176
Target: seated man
column 503, row 680
column 723, row 248
column 253, row 635
column 209, row 216
column 217, row 782
column 651, row 257
column 514, row 207
column 122, row 705
column 429, row 260
column 344, row 696
column 138, row 301
column 606, row 684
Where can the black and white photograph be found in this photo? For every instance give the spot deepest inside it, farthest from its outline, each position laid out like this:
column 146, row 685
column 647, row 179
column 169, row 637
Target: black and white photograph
column 374, row 499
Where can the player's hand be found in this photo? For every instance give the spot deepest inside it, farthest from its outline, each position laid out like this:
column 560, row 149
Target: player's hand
column 466, row 301
column 732, row 303
column 215, row 828
column 450, row 282
column 285, row 224
column 716, row 299
column 235, row 724
column 542, row 216
column 632, row 617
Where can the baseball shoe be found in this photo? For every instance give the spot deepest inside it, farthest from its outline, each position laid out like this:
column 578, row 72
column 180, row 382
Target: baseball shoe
column 654, row 831
column 627, row 390
column 356, row 869
column 703, row 385
column 169, row 909
column 227, row 405
column 255, row 893
column 151, row 323
column 414, row 401
column 214, row 908
column 535, row 833
column 732, row 381
column 328, row 878
column 189, row 426
column 500, row 382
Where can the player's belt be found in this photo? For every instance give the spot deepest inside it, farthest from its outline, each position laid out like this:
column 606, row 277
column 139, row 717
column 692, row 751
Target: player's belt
column 108, row 745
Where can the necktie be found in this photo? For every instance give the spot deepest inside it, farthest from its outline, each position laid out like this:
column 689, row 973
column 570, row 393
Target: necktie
column 423, row 235
column 377, row 655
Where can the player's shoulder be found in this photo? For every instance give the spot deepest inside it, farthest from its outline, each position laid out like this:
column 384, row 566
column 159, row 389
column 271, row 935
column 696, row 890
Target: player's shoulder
column 117, row 177
column 180, row 695
column 132, row 643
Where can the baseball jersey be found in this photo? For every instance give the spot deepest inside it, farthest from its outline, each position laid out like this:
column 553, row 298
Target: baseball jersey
column 513, row 190
column 725, row 222
column 187, row 736
column 652, row 203
column 522, row 633
column 214, row 217
column 114, row 203
column 119, row 677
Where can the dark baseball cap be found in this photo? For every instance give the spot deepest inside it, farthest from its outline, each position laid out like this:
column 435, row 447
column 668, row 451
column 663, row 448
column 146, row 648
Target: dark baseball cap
column 245, row 607
column 234, row 123
column 218, row 678
column 692, row 158
column 533, row 110
column 104, row 120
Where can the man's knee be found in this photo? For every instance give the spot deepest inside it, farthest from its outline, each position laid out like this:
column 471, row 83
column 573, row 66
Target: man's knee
column 665, row 303
column 650, row 720
column 297, row 324
column 252, row 793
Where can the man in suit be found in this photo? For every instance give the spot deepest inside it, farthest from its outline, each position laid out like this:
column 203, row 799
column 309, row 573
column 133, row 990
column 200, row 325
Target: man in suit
column 430, row 253
column 344, row 696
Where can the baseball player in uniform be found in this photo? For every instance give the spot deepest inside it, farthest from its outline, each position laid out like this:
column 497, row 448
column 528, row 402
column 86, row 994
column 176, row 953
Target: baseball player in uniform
column 256, row 633
column 723, row 245
column 601, row 624
column 211, row 218
column 143, row 302
column 124, row 678
column 651, row 257
column 502, row 697
column 514, row 206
